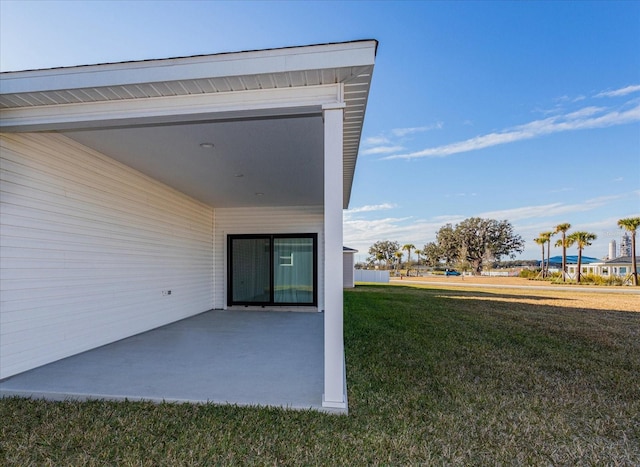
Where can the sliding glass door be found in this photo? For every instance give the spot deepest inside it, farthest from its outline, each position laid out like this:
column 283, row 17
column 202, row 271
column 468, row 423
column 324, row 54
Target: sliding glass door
column 272, row 269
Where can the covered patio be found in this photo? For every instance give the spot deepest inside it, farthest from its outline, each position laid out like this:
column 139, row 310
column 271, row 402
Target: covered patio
column 238, row 357
column 138, row 194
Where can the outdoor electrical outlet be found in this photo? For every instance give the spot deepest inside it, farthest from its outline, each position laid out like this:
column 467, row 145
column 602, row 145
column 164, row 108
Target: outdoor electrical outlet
column 166, row 292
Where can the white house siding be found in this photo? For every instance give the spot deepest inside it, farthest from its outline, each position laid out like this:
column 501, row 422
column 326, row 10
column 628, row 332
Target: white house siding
column 88, row 246
column 271, row 220
column 348, row 260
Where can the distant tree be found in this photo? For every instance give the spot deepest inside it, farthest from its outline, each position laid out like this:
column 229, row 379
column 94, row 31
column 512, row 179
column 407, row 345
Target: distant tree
column 546, row 236
column 384, row 251
column 398, row 255
column 432, row 254
column 551, row 234
column 562, row 228
column 486, row 239
column 582, row 240
column 541, row 241
column 448, row 246
column 408, row 247
column 418, row 254
column 631, row 224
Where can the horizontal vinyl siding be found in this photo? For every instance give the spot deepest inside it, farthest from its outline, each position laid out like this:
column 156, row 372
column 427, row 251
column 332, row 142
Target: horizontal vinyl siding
column 87, row 247
column 347, row 269
column 275, row 220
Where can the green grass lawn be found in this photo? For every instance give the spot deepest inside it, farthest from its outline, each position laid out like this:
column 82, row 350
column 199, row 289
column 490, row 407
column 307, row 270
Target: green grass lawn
column 435, row 376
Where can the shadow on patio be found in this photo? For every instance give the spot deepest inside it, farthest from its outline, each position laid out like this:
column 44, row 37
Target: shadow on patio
column 237, row 357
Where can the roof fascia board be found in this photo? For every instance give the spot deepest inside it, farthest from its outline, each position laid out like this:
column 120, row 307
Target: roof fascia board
column 172, row 109
column 352, row 54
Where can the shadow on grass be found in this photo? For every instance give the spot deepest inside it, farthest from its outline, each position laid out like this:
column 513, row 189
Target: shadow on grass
column 503, row 381
column 455, row 292
column 557, row 315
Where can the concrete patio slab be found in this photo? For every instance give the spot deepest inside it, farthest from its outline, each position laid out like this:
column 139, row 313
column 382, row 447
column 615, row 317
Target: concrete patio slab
column 237, row 357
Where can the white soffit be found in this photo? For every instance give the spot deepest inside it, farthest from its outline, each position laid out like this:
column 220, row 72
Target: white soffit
column 278, row 82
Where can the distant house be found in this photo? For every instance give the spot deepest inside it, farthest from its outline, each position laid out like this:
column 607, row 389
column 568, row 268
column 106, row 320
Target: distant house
column 620, row 267
column 617, row 267
column 137, row 194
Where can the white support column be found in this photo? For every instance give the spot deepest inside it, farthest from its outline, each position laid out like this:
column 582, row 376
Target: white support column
column 334, row 370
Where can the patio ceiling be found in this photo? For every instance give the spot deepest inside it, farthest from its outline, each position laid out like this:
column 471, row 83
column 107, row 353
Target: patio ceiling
column 261, row 110
column 254, row 162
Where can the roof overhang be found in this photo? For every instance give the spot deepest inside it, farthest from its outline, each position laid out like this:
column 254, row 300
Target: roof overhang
column 103, row 105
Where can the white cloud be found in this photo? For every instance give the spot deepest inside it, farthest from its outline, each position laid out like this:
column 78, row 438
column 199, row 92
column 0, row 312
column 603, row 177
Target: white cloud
column 565, row 98
column 362, row 233
column 401, row 132
column 372, row 207
column 618, row 179
column 586, row 118
column 620, row 92
column 561, row 190
column 448, row 219
column 375, row 140
column 459, row 195
column 382, row 150
column 383, row 144
column 549, row 210
column 585, row 112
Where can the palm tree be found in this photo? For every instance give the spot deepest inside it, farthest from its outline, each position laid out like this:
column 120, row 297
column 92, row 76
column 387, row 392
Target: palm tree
column 582, row 239
column 408, row 247
column 631, row 224
column 562, row 228
column 398, row 255
column 541, row 241
column 546, row 236
column 418, row 253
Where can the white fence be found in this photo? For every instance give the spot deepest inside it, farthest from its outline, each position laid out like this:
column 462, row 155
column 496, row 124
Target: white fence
column 370, row 275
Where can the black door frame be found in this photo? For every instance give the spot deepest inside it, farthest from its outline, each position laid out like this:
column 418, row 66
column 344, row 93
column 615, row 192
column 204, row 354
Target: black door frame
column 271, row 237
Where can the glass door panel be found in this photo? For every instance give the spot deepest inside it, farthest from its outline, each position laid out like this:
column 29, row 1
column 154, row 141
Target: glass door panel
column 272, row 269
column 251, row 270
column 293, row 270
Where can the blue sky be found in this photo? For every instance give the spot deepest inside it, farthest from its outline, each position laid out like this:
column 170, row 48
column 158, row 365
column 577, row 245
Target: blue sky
column 526, row 111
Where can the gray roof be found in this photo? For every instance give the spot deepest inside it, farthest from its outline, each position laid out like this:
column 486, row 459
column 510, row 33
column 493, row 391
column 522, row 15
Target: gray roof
column 622, row 259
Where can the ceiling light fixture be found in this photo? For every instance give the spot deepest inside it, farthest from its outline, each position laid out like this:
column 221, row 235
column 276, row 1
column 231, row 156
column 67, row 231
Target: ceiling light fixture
column 259, row 194
column 206, row 145
column 239, row 175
